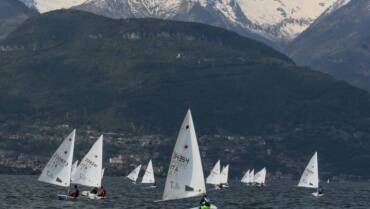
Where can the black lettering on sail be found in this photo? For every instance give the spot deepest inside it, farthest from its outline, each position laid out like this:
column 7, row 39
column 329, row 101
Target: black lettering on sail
column 59, row 180
column 189, row 188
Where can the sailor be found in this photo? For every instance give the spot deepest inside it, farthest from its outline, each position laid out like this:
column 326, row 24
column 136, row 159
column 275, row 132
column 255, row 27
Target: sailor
column 204, row 202
column 102, row 192
column 320, row 190
column 94, row 190
column 74, row 193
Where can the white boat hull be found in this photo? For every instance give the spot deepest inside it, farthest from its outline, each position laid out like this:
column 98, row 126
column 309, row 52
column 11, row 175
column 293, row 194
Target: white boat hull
column 91, row 196
column 65, row 197
column 315, row 194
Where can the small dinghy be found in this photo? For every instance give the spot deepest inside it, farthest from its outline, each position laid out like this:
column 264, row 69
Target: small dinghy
column 260, row 177
column 214, row 177
column 310, row 176
column 89, row 172
column 185, row 177
column 58, row 170
column 134, row 174
column 148, row 177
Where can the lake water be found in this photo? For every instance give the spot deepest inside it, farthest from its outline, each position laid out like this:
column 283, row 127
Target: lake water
column 27, row 193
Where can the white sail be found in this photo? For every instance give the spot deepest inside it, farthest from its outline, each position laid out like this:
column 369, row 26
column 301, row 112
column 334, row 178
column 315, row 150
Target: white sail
column 58, row 170
column 224, row 176
column 214, row 176
column 102, row 173
column 89, row 171
column 251, row 176
column 74, row 168
column 134, row 174
column 148, row 177
column 310, row 176
column 245, row 178
column 260, row 177
column 185, row 174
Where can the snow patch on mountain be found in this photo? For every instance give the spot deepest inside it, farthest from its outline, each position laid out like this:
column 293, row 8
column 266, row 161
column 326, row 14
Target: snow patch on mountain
column 277, row 20
column 155, row 8
column 49, row 5
column 285, row 19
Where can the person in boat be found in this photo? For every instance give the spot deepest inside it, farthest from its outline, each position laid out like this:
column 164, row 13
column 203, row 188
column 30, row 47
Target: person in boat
column 155, row 185
column 94, row 190
column 204, row 202
column 102, row 192
column 320, row 190
column 75, row 193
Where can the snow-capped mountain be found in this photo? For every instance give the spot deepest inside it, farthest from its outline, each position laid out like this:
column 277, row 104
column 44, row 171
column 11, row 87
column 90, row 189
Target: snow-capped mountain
column 49, row 5
column 285, row 19
column 276, row 20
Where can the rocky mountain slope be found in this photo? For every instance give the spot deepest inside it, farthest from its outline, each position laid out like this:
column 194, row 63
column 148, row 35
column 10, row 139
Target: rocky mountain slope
column 338, row 44
column 12, row 14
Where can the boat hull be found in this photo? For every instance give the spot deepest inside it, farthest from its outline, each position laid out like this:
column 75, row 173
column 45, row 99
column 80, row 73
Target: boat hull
column 315, row 194
column 65, row 197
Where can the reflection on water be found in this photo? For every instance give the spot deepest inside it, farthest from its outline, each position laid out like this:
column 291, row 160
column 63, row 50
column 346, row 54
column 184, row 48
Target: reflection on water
column 26, row 192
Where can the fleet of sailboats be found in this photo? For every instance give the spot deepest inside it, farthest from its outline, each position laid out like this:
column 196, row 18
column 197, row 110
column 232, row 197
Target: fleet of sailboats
column 185, row 176
column 258, row 179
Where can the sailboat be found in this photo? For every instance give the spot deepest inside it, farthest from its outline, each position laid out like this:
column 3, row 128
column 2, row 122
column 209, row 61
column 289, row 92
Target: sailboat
column 134, row 174
column 245, row 178
column 214, row 177
column 148, row 177
column 185, row 177
column 58, row 170
column 224, row 176
column 260, row 177
column 89, row 171
column 310, row 176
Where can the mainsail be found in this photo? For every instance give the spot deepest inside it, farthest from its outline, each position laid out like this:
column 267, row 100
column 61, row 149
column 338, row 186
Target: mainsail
column 310, row 176
column 251, row 176
column 89, row 171
column 58, row 170
column 185, row 174
column 260, row 177
column 245, row 178
column 224, row 176
column 214, row 176
column 74, row 168
column 148, row 177
column 134, row 174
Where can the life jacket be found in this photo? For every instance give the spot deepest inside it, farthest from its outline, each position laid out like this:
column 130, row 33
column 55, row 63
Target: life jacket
column 102, row 193
column 204, row 207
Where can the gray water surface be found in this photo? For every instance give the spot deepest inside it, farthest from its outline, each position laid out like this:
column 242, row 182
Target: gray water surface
column 27, row 193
